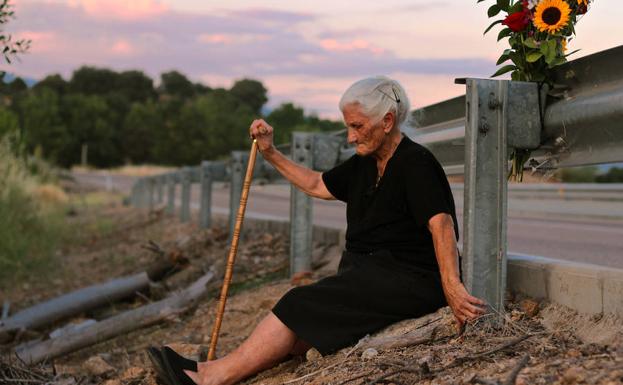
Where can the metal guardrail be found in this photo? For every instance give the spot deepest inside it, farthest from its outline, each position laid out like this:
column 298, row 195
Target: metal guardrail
column 470, row 135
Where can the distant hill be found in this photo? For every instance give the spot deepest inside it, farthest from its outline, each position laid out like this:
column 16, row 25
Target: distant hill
column 8, row 78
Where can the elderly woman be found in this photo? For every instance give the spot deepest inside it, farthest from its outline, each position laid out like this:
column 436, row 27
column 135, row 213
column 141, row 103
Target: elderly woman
column 401, row 257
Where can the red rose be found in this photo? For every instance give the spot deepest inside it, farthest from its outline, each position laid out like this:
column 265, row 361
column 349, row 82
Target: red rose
column 517, row 21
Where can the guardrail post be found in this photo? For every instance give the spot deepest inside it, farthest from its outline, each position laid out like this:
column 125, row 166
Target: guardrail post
column 171, row 181
column 185, row 206
column 499, row 113
column 142, row 193
column 133, row 194
column 159, row 189
column 205, row 176
column 239, row 161
column 301, row 208
column 150, row 192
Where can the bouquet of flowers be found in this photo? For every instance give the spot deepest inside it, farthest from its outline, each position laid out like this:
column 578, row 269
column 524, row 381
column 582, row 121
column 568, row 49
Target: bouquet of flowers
column 538, row 33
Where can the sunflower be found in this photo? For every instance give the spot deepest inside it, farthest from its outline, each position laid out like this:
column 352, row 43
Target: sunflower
column 563, row 45
column 583, row 2
column 551, row 15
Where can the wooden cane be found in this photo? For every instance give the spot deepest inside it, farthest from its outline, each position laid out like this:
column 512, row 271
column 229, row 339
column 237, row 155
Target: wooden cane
column 232, row 251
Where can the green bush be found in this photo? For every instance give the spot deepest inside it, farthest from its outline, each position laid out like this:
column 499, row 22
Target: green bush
column 29, row 231
column 614, row 175
column 579, row 174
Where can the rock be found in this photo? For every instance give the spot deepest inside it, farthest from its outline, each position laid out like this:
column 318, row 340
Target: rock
column 369, row 353
column 572, row 376
column 66, row 381
column 96, row 366
column 112, row 382
column 191, row 351
column 132, row 373
column 313, row 355
column 67, row 370
column 575, row 353
column 530, row 307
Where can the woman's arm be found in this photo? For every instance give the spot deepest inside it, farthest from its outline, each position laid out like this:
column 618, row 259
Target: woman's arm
column 308, row 181
column 463, row 305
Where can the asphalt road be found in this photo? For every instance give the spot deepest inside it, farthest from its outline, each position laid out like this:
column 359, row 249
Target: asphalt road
column 582, row 231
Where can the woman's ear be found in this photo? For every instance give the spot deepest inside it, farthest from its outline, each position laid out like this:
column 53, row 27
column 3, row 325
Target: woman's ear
column 388, row 122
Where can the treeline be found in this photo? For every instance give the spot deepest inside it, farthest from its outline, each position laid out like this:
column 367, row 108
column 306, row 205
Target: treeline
column 121, row 117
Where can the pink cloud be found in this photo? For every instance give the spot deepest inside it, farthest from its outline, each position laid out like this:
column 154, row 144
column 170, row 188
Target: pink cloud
column 121, row 9
column 353, row 45
column 122, row 47
column 226, row 39
column 41, row 41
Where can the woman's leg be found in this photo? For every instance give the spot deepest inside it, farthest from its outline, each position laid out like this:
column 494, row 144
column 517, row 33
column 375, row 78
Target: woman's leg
column 268, row 344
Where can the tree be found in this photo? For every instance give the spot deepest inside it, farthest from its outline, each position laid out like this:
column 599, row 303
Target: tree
column 90, row 121
column 10, row 48
column 251, row 92
column 173, row 83
column 614, row 175
column 54, row 82
column 135, row 86
column 9, row 123
column 93, row 81
column 43, row 125
column 143, row 126
column 284, row 118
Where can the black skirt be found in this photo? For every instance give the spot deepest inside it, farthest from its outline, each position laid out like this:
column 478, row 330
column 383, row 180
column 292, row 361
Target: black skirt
column 369, row 292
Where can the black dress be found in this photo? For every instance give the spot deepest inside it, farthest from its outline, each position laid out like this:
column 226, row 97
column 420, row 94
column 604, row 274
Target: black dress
column 388, row 271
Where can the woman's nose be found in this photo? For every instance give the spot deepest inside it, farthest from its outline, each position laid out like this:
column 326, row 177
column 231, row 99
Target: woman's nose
column 351, row 137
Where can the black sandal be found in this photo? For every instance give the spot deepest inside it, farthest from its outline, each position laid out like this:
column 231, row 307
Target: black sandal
column 155, row 356
column 175, row 366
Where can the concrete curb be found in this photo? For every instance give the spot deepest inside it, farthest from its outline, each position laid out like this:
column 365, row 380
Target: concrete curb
column 590, row 289
column 586, row 288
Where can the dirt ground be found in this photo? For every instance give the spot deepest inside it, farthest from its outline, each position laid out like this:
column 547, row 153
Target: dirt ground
column 548, row 344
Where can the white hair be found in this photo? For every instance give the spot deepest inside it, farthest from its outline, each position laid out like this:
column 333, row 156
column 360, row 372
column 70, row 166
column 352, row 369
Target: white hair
column 377, row 96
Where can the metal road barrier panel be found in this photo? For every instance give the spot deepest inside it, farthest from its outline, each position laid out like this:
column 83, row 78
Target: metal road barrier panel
column 582, row 124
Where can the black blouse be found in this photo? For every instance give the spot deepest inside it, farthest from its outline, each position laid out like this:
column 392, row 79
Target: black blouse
column 394, row 214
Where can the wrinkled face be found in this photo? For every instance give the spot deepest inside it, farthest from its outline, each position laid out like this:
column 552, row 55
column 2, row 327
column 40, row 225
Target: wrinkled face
column 365, row 134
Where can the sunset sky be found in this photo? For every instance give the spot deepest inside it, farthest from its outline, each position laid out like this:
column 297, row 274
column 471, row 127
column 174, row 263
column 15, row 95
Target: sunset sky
column 304, row 52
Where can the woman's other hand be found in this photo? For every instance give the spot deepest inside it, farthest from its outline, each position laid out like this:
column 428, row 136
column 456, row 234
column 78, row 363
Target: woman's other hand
column 263, row 133
column 464, row 306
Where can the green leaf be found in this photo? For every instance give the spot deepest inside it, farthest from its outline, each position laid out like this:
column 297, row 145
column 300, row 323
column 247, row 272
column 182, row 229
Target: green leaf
column 479, row 1
column 572, row 52
column 533, row 56
column 504, row 33
column 491, row 26
column 517, row 58
column 556, row 62
column 515, row 76
column 531, row 43
column 502, row 59
column 551, row 51
column 503, row 4
column 503, row 70
column 544, row 49
column 493, row 10
column 517, row 7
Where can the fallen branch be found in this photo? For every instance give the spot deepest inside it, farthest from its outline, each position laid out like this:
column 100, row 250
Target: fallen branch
column 120, row 324
column 423, row 369
column 71, row 304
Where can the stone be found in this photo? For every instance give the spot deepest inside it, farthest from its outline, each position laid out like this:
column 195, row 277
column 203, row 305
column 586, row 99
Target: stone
column 369, row 354
column 530, row 307
column 313, row 355
column 572, row 375
column 132, row 373
column 67, row 370
column 97, row 366
column 112, row 382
